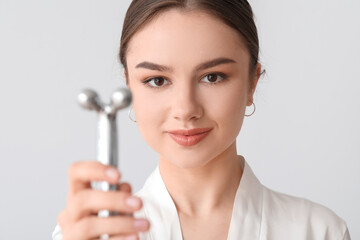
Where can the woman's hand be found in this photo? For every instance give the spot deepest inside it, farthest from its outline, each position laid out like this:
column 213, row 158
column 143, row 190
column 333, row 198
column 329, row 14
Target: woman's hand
column 79, row 221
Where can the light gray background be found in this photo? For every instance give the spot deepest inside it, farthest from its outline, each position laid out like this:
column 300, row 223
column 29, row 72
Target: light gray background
column 303, row 139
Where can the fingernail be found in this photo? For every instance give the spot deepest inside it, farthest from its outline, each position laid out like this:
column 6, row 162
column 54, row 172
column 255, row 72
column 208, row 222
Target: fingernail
column 132, row 237
column 141, row 224
column 133, row 202
column 112, row 173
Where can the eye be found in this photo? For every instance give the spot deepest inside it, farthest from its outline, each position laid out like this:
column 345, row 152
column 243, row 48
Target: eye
column 214, row 78
column 156, row 82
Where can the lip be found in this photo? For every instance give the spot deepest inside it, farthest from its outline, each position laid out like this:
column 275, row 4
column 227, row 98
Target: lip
column 189, row 137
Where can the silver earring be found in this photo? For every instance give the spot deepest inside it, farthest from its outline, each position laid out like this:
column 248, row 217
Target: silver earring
column 252, row 112
column 134, row 120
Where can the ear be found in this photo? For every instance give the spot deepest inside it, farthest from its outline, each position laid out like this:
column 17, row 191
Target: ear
column 126, row 78
column 254, row 82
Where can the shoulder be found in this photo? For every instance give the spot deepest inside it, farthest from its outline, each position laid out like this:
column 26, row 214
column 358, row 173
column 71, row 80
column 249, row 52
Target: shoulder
column 302, row 215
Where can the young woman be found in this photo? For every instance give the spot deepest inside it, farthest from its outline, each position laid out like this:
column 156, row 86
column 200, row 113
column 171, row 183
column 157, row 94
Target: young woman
column 192, row 67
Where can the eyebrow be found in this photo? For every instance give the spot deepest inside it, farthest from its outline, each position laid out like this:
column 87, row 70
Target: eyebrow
column 202, row 66
column 153, row 66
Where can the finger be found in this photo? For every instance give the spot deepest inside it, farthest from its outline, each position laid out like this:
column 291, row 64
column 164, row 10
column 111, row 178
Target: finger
column 93, row 227
column 126, row 187
column 89, row 202
column 82, row 173
column 127, row 237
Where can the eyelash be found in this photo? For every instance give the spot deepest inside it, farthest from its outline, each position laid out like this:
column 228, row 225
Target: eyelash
column 219, row 74
column 146, row 82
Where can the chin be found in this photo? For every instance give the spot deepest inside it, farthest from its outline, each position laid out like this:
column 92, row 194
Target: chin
column 188, row 164
column 187, row 161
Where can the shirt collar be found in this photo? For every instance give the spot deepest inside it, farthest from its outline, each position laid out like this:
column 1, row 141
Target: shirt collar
column 246, row 215
column 247, row 210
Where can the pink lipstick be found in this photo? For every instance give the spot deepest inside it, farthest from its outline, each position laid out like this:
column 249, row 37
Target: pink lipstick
column 189, row 137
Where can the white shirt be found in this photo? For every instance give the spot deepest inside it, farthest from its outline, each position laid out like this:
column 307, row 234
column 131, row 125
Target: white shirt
column 258, row 214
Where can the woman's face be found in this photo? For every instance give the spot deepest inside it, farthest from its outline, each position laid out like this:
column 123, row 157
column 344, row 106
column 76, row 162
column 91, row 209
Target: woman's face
column 188, row 70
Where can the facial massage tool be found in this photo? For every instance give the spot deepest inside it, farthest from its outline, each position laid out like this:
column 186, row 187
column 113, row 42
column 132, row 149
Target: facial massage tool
column 107, row 144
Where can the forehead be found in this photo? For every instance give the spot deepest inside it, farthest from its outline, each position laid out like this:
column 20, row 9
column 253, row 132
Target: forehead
column 185, row 37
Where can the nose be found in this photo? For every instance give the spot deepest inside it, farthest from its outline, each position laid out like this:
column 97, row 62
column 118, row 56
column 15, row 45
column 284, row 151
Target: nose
column 186, row 105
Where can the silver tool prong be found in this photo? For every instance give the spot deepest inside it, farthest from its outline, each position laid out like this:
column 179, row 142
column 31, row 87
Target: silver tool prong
column 89, row 99
column 120, row 98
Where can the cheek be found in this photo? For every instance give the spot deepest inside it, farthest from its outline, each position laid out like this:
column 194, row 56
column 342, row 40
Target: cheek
column 150, row 115
column 227, row 106
column 227, row 111
column 149, row 107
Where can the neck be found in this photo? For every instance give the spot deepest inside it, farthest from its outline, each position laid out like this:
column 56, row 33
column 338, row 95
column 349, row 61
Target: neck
column 200, row 191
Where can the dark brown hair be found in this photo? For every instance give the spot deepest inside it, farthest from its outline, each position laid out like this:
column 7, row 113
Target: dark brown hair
column 235, row 13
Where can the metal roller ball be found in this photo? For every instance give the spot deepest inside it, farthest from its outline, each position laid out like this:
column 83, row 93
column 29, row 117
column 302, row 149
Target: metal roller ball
column 90, row 100
column 121, row 98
